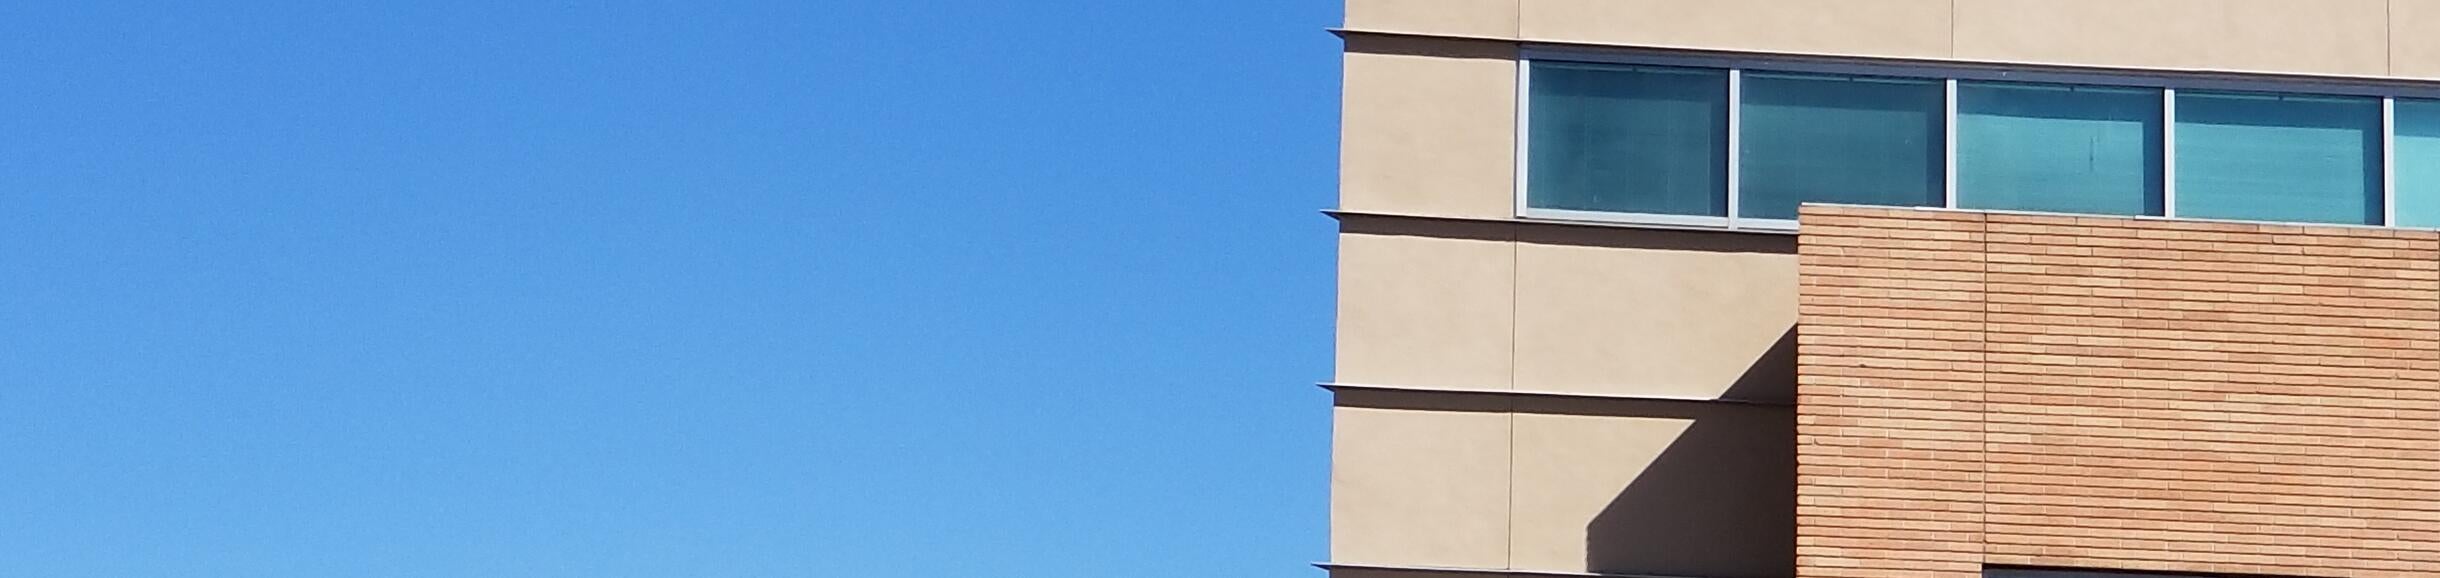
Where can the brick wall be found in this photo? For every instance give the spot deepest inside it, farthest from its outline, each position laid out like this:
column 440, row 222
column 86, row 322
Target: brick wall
column 2115, row 393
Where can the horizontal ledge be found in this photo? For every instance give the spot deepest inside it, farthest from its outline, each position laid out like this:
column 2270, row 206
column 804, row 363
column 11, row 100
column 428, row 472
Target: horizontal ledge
column 1336, row 387
column 1490, row 571
column 1343, row 215
column 1343, row 32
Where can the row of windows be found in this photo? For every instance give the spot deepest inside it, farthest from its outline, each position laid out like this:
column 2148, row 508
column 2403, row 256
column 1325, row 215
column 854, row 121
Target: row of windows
column 1720, row 146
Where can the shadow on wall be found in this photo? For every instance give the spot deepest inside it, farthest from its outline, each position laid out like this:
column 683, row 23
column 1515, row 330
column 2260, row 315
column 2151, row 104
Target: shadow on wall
column 1721, row 500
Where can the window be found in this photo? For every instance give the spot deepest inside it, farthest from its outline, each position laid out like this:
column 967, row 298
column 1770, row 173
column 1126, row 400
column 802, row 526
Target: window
column 1736, row 142
column 1628, row 140
column 2416, row 162
column 2067, row 149
column 1840, row 139
column 2279, row 158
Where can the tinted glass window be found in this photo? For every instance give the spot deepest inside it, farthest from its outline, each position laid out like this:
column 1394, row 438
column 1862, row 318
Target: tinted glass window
column 2279, row 158
column 2418, row 163
column 1628, row 139
column 2031, row 147
column 1840, row 139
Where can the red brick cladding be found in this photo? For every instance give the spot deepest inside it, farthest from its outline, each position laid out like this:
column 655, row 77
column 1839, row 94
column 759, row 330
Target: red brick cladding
column 2115, row 393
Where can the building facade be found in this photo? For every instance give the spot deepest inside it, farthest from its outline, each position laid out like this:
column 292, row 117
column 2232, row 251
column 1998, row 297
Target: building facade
column 1953, row 288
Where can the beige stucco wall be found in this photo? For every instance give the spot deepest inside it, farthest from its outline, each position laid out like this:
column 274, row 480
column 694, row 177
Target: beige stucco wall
column 1568, row 469
column 1428, row 127
column 2414, row 51
column 2336, row 37
column 1479, row 18
column 2314, row 37
column 1416, row 487
column 1503, row 482
column 1600, row 311
column 1491, row 470
column 1654, row 313
column 1430, row 306
column 1905, row 28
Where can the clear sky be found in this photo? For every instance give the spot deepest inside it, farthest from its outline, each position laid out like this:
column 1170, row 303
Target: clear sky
column 574, row 288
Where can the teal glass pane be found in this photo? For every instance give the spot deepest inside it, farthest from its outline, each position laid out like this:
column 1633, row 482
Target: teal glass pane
column 1628, row 139
column 1839, row 139
column 2418, row 163
column 2033, row 147
column 2279, row 158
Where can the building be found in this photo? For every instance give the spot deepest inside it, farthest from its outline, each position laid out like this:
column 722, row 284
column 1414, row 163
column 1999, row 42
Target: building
column 1888, row 288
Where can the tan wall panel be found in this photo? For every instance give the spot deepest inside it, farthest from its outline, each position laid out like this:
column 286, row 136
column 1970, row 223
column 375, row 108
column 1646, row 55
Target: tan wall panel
column 1569, row 469
column 2414, row 49
column 2343, row 37
column 1429, row 128
column 1419, row 488
column 1480, row 18
column 1705, row 493
column 1905, row 28
column 1402, row 573
column 1427, row 311
column 1655, row 313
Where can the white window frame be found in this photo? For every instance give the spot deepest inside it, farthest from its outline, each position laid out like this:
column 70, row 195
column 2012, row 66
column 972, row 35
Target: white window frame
column 2168, row 153
column 1736, row 65
column 2389, row 161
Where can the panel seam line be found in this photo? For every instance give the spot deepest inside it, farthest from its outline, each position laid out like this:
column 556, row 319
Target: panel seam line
column 1516, row 273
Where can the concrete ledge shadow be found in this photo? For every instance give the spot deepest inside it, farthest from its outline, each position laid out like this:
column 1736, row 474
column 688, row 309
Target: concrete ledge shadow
column 1443, row 47
column 1566, row 234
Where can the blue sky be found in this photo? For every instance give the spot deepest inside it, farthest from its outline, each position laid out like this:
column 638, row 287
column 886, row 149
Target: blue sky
column 826, row 288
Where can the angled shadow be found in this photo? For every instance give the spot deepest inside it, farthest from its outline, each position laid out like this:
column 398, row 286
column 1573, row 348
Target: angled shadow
column 1721, row 500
